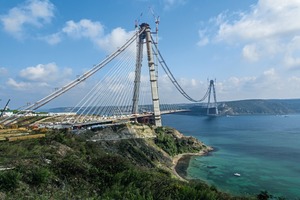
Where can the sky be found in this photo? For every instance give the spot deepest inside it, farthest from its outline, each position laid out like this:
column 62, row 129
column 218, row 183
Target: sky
column 250, row 47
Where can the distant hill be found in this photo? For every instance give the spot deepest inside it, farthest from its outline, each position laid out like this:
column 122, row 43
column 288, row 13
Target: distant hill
column 254, row 106
column 241, row 107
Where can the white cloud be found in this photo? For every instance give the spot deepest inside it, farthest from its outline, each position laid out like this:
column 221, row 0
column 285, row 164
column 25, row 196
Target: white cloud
column 169, row 94
column 294, row 86
column 291, row 61
column 168, row 4
column 93, row 31
column 250, row 52
column 52, row 39
column 33, row 12
column 114, row 40
column 3, row 71
column 270, row 73
column 270, row 83
column 44, row 73
column 292, row 55
column 235, row 88
column 268, row 30
column 40, row 79
column 269, row 18
column 39, row 72
column 85, row 28
column 17, row 85
column 204, row 40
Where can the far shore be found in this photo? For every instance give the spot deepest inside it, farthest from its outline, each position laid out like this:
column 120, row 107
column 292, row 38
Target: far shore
column 181, row 163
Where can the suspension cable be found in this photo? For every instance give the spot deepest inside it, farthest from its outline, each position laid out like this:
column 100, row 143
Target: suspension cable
column 86, row 75
column 173, row 80
column 78, row 80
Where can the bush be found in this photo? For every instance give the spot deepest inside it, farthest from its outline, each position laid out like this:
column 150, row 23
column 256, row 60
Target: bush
column 33, row 173
column 264, row 195
column 71, row 165
column 166, row 142
column 9, row 180
column 39, row 176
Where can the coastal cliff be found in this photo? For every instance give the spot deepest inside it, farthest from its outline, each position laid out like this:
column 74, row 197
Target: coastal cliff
column 89, row 165
column 146, row 146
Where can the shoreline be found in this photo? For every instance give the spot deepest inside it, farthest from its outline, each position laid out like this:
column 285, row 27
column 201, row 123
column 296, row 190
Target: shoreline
column 181, row 163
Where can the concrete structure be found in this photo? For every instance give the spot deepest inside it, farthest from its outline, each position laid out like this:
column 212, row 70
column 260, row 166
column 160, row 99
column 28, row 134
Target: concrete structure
column 137, row 79
column 153, row 79
column 212, row 108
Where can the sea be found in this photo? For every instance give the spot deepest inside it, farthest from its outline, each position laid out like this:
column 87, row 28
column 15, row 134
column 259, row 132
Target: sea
column 263, row 149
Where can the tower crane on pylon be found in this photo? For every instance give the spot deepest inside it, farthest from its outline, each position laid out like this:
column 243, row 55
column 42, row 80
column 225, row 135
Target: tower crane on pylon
column 137, row 21
column 156, row 18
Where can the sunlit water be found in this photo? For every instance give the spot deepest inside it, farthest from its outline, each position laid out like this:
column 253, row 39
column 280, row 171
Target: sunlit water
column 264, row 150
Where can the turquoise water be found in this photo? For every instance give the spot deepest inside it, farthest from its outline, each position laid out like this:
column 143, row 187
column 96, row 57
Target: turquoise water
column 265, row 150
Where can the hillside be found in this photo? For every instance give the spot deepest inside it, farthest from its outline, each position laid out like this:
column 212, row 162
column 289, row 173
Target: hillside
column 64, row 165
column 254, row 106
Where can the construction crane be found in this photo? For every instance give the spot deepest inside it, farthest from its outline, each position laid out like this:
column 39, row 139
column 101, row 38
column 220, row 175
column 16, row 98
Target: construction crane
column 4, row 108
column 137, row 21
column 156, row 19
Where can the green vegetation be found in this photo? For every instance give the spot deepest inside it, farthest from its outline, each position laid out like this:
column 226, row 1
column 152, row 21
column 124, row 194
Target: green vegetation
column 257, row 106
column 64, row 166
column 172, row 143
column 253, row 107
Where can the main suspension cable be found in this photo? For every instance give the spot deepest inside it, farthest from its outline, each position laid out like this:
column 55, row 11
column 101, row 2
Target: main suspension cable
column 172, row 78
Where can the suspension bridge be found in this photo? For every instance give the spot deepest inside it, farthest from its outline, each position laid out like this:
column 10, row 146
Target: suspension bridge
column 126, row 91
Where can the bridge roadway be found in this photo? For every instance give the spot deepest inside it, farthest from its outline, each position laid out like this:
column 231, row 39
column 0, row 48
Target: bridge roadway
column 142, row 118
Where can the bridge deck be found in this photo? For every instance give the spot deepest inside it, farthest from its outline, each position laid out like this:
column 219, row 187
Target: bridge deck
column 90, row 121
column 124, row 119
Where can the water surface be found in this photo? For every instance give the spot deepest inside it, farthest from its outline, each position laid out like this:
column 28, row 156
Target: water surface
column 265, row 150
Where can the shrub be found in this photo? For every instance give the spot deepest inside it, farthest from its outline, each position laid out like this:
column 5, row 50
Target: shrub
column 9, row 180
column 264, row 195
column 39, row 176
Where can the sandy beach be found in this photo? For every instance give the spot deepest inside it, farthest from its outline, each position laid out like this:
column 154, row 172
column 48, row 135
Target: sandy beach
column 181, row 163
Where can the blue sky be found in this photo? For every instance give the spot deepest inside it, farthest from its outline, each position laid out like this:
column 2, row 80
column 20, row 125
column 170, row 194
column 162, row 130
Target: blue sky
column 251, row 47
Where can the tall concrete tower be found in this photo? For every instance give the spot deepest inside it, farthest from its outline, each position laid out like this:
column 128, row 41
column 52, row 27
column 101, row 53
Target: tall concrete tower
column 153, row 80
column 137, row 78
column 212, row 108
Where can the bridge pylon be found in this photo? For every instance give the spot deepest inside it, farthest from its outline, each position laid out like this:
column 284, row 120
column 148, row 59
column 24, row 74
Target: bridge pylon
column 146, row 35
column 137, row 78
column 212, row 108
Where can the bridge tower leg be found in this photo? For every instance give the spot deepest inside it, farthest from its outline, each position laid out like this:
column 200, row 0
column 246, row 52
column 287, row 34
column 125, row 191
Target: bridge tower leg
column 137, row 79
column 153, row 80
column 214, row 107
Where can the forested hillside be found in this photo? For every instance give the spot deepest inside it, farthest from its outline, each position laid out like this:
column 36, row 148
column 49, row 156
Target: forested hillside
column 254, row 106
